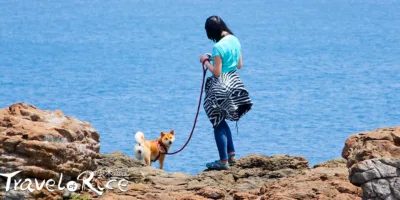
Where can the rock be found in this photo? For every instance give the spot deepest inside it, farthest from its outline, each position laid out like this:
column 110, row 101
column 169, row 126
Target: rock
column 66, row 195
column 269, row 177
column 119, row 165
column 279, row 177
column 380, row 143
column 327, row 180
column 344, row 196
column 43, row 144
column 273, row 163
column 244, row 196
column 338, row 162
column 373, row 159
column 381, row 168
column 346, row 188
column 117, row 160
column 211, row 193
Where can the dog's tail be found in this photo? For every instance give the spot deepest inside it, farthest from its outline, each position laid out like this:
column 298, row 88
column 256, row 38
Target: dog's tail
column 139, row 137
column 139, row 149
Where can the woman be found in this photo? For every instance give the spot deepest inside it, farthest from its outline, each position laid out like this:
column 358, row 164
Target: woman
column 226, row 96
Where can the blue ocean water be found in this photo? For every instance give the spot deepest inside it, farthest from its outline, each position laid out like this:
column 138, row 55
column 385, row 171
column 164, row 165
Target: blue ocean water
column 317, row 70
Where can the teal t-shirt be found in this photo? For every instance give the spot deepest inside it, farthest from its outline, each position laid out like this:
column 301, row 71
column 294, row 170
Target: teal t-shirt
column 228, row 48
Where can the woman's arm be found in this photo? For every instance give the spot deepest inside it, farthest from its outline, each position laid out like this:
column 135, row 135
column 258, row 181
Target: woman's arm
column 240, row 61
column 216, row 69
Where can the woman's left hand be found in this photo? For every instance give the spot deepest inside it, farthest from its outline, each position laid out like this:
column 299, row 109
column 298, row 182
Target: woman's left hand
column 202, row 58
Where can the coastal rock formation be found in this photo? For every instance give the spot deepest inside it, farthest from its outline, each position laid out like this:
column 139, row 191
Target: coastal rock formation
column 253, row 177
column 43, row 144
column 327, row 180
column 374, row 162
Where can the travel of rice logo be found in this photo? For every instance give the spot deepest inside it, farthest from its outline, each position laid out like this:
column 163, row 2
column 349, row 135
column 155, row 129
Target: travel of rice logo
column 72, row 186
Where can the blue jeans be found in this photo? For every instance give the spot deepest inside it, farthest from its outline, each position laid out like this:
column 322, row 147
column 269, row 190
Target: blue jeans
column 223, row 137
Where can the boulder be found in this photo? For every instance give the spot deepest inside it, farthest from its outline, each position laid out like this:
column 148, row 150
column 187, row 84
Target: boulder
column 44, row 144
column 373, row 159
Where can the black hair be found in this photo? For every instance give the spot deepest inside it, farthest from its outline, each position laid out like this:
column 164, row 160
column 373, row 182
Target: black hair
column 214, row 28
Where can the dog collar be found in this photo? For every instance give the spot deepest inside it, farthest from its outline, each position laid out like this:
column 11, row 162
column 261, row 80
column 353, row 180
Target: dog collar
column 160, row 146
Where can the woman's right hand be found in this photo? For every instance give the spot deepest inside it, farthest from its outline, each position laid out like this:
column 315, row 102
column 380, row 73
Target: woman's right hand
column 202, row 58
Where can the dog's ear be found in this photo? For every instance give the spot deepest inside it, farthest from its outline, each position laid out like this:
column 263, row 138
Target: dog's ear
column 162, row 134
column 172, row 132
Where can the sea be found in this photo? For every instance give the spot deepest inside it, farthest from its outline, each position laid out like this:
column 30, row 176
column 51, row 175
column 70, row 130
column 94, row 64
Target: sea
column 317, row 71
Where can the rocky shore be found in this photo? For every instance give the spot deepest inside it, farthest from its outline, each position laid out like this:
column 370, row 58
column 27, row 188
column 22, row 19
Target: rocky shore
column 42, row 145
column 253, row 177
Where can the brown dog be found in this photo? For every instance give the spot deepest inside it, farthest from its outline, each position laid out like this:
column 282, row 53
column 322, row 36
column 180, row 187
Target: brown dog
column 149, row 150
